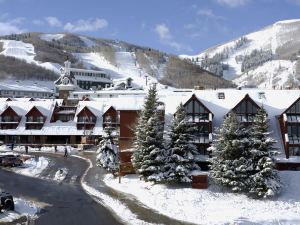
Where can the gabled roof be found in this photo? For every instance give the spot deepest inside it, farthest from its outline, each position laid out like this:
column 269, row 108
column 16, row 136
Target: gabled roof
column 9, row 108
column 108, row 108
column 247, row 97
column 298, row 99
column 86, row 108
column 34, row 108
column 194, row 97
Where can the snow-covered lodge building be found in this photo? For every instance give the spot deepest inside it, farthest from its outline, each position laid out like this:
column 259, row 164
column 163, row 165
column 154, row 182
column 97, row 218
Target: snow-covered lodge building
column 34, row 121
column 29, row 90
column 83, row 78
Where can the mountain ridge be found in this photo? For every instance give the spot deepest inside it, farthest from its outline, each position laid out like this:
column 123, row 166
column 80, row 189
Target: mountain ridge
column 267, row 58
column 50, row 50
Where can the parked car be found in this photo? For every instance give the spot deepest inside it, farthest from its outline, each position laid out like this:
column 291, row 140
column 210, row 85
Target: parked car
column 6, row 201
column 10, row 160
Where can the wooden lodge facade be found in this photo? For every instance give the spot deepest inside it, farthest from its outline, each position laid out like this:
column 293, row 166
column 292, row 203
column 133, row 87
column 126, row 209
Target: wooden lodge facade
column 52, row 122
column 201, row 118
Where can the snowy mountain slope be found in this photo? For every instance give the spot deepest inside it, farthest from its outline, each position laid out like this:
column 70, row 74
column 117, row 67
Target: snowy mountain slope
column 126, row 66
column 25, row 51
column 278, row 43
column 120, row 59
column 50, row 37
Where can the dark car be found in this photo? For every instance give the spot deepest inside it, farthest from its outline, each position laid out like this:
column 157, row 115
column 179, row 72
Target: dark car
column 6, row 201
column 10, row 160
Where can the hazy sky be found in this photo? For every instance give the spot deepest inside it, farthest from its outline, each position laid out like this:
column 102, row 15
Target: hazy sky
column 174, row 26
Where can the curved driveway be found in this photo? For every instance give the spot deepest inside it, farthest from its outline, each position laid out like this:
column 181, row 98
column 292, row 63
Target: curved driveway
column 68, row 203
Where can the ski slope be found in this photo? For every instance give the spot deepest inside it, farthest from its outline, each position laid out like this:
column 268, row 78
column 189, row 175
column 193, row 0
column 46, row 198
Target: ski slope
column 25, row 51
column 126, row 66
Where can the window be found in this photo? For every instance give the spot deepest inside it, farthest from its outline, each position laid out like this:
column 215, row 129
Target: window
column 29, row 119
column 246, row 111
column 196, row 112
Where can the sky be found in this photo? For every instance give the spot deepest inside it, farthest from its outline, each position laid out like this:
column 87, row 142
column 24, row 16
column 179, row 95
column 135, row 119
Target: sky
column 173, row 26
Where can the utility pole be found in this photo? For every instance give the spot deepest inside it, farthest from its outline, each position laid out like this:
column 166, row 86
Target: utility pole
column 146, row 79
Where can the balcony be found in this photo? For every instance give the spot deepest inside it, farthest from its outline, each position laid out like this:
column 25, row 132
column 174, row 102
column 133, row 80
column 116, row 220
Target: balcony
column 202, row 138
column 35, row 120
column 9, row 120
column 86, row 120
column 291, row 118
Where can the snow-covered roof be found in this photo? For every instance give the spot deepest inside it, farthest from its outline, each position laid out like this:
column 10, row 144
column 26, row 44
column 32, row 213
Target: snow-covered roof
column 275, row 103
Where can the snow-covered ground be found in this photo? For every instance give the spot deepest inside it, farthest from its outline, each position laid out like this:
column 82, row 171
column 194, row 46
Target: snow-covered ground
column 115, row 205
column 32, row 167
column 22, row 208
column 214, row 206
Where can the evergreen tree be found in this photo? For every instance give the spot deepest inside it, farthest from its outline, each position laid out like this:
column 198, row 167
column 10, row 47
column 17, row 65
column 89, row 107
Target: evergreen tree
column 182, row 153
column 108, row 154
column 147, row 158
column 264, row 181
column 231, row 163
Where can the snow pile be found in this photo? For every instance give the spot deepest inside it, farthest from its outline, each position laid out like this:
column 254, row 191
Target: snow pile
column 61, row 174
column 213, row 206
column 33, row 167
column 22, row 208
column 60, row 149
column 4, row 148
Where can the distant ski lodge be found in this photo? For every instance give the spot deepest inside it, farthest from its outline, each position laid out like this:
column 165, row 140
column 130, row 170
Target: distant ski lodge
column 54, row 121
column 87, row 79
column 18, row 90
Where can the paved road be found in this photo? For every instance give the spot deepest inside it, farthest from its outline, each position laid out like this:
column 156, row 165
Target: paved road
column 68, row 203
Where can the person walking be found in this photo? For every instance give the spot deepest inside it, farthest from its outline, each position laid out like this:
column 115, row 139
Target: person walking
column 66, row 152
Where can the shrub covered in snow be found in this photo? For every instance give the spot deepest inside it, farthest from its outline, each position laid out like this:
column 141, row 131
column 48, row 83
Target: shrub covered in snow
column 108, row 153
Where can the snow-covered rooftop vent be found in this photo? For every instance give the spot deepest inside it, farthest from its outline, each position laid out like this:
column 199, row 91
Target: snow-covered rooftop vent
column 221, row 95
column 261, row 95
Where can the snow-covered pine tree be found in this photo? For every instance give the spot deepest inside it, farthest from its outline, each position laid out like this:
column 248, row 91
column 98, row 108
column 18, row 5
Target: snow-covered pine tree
column 230, row 164
column 264, row 182
column 147, row 158
column 154, row 152
column 182, row 153
column 108, row 154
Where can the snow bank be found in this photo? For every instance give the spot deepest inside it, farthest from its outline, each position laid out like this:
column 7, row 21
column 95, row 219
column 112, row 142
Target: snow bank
column 32, row 167
column 60, row 149
column 61, row 174
column 22, row 208
column 213, row 206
